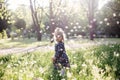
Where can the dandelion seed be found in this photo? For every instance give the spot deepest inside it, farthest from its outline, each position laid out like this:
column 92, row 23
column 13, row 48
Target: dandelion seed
column 90, row 26
column 100, row 22
column 114, row 14
column 105, row 19
column 53, row 23
column 94, row 20
column 79, row 26
column 52, row 19
column 40, row 31
column 68, row 33
column 71, row 23
column 61, row 49
column 118, row 22
column 108, row 24
column 71, row 30
column 74, row 27
column 66, row 27
column 77, row 23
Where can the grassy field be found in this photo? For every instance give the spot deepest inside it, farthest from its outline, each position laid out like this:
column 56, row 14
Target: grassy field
column 90, row 60
column 8, row 43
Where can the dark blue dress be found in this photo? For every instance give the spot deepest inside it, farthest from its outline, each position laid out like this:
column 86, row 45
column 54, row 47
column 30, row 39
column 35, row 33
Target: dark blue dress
column 61, row 56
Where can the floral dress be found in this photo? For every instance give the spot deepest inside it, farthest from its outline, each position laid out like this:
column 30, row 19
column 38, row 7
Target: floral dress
column 61, row 56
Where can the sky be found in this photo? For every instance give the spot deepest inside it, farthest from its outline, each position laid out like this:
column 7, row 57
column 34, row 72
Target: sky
column 102, row 3
column 13, row 4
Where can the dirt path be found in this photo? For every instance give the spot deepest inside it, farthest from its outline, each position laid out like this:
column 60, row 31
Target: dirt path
column 70, row 45
column 23, row 50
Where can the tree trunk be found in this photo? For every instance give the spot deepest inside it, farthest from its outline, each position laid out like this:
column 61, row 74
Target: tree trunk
column 35, row 21
column 52, row 23
column 90, row 19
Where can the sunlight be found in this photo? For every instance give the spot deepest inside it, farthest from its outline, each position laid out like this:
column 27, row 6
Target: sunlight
column 102, row 3
column 13, row 4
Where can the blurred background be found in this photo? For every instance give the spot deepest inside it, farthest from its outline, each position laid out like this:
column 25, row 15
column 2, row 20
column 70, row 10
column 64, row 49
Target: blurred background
column 38, row 18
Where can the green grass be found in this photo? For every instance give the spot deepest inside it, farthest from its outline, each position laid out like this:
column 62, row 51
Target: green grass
column 96, row 62
column 8, row 43
column 87, row 64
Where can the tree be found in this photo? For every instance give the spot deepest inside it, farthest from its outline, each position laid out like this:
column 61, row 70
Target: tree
column 114, row 20
column 35, row 19
column 58, row 15
column 20, row 24
column 90, row 6
column 4, row 17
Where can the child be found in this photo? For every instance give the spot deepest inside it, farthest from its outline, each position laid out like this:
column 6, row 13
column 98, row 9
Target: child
column 60, row 56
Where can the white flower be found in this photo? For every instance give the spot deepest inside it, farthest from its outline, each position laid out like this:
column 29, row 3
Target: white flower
column 84, row 65
column 41, row 70
column 8, row 66
column 74, row 66
column 69, row 75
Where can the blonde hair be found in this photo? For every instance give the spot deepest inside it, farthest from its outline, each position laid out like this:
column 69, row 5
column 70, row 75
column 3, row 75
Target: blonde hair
column 59, row 32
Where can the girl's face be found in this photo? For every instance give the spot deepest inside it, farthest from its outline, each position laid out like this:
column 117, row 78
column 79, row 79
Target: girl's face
column 59, row 38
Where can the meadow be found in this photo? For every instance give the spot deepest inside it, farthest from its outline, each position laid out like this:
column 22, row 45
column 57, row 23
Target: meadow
column 89, row 60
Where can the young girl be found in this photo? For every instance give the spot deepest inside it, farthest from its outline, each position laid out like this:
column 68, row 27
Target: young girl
column 60, row 57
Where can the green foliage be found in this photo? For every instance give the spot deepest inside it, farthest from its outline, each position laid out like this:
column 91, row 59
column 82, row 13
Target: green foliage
column 5, row 17
column 109, row 58
column 91, row 63
column 20, row 24
column 4, row 61
column 4, row 34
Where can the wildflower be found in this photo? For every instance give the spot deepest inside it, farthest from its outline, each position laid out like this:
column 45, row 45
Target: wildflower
column 8, row 66
column 84, row 65
column 41, row 70
column 69, row 75
column 74, row 66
